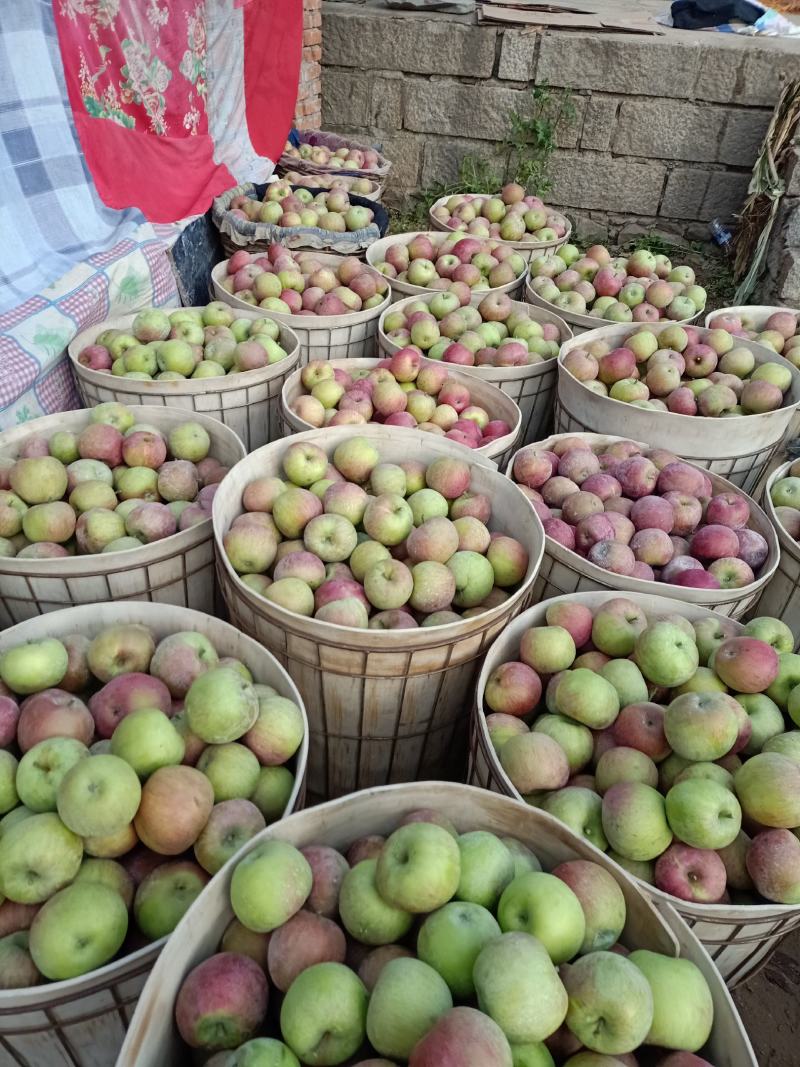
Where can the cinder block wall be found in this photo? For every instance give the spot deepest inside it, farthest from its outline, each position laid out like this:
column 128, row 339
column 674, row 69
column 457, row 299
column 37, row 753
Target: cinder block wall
column 308, row 115
column 666, row 128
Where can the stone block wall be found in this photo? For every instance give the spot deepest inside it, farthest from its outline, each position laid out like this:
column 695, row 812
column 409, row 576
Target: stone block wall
column 666, row 128
column 308, row 113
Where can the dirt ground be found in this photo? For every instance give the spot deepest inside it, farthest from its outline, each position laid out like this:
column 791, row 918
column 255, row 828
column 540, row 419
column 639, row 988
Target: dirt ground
column 770, row 1007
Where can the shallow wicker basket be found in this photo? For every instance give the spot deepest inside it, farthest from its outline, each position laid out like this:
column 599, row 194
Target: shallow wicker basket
column 738, row 449
column 528, row 249
column 321, row 337
column 247, row 402
column 81, row 1022
column 384, row 705
column 531, row 388
column 152, row 1039
column 564, row 571
column 738, row 937
column 493, row 400
column 590, row 322
column 332, row 141
column 781, row 598
column 376, row 253
column 177, row 570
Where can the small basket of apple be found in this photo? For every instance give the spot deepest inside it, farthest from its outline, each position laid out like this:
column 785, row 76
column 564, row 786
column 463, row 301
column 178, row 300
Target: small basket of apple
column 642, row 287
column 142, row 746
column 369, row 189
column 666, row 735
column 434, row 924
column 377, row 563
column 524, row 222
column 332, row 303
column 228, row 364
column 415, row 263
column 297, row 217
column 110, row 502
column 777, row 328
column 620, row 515
column 782, row 505
column 404, row 390
column 679, row 387
column 330, row 153
column 506, row 342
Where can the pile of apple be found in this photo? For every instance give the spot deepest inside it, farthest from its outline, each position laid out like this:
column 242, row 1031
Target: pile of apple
column 781, row 331
column 785, row 497
column 298, row 284
column 189, row 343
column 673, row 746
column 496, row 333
column 435, row 948
column 682, row 370
column 358, row 542
column 116, row 485
column 641, row 514
column 509, row 215
column 131, row 770
column 359, row 186
column 282, row 207
column 403, row 390
column 641, row 287
column 335, row 158
column 450, row 262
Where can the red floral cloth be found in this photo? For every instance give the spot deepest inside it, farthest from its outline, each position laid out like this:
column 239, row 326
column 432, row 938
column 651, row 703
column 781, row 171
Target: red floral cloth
column 175, row 101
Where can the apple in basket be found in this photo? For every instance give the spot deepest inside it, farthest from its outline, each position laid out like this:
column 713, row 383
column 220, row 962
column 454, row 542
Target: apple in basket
column 443, row 947
column 132, row 769
column 681, row 736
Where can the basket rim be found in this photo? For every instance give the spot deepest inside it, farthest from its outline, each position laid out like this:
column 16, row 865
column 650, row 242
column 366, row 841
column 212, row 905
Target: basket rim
column 176, row 544
column 302, row 322
column 498, row 447
column 588, row 322
column 149, row 613
column 668, row 605
column 380, row 640
column 522, row 246
column 644, row 586
column 737, row 309
column 762, row 354
column 531, row 370
column 787, row 543
column 222, row 383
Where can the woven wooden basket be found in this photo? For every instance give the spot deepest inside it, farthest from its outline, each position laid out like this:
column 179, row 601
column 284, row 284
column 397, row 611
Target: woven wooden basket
column 177, row 570
column 82, row 1022
column 332, row 141
column 590, row 322
column 528, row 249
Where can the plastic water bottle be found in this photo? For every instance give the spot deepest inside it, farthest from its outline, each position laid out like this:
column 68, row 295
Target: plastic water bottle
column 721, row 235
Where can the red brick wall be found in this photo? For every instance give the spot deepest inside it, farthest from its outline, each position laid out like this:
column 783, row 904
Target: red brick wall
column 308, row 113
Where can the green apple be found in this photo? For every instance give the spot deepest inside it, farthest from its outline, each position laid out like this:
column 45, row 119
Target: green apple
column 419, row 868
column 601, row 899
column 581, row 810
column 260, row 1052
column 487, row 867
column 524, row 859
column 519, row 988
column 9, row 798
column 34, row 666
column 574, row 738
column 147, row 740
column 703, row 813
column 272, row 792
column 451, row 939
column 98, row 796
column 42, row 767
column 108, row 873
column 38, row 855
column 766, row 720
column 666, row 655
column 587, row 697
column 545, row 907
column 683, row 1010
column 532, row 1054
column 365, row 914
column 165, row 895
column 788, row 678
column 627, row 679
column 610, row 1003
column 221, row 705
column 635, row 821
column 768, row 788
column 269, row 885
column 774, row 632
column 408, row 998
column 324, row 1014
column 77, row 930
column 232, row 769
column 786, row 744
column 189, row 441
